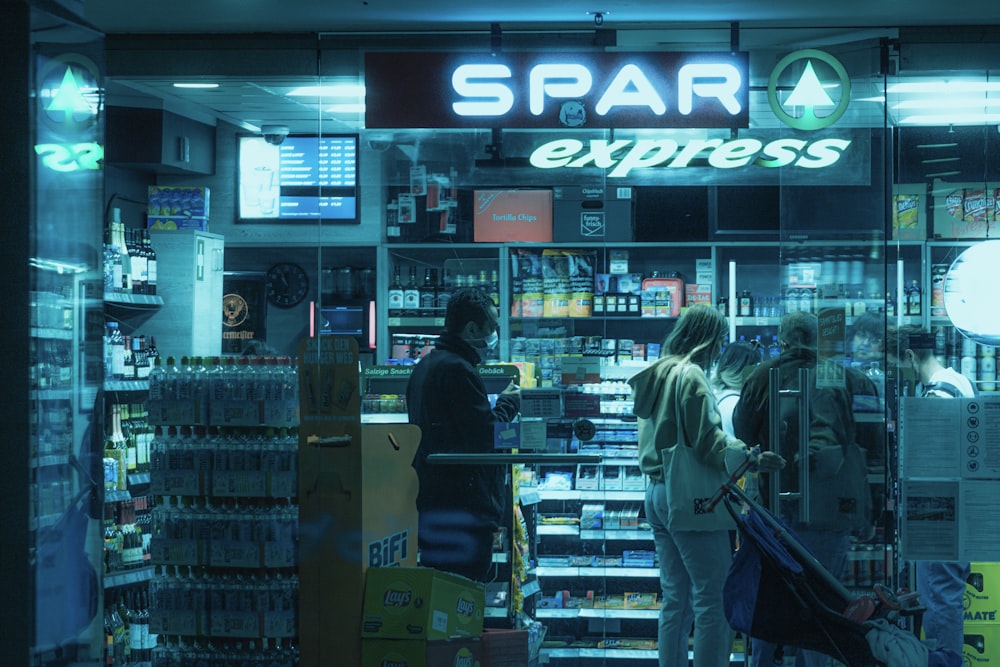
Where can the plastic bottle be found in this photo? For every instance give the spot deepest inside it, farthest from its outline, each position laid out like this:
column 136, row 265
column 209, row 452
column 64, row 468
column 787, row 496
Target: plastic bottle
column 914, row 299
column 969, row 360
column 877, row 377
column 987, row 368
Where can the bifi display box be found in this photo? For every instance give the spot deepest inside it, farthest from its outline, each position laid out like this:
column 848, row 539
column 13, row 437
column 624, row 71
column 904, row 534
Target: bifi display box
column 421, row 603
column 357, row 500
column 592, row 213
column 421, row 652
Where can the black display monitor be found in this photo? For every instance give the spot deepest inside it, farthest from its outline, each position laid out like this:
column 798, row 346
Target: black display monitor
column 304, row 179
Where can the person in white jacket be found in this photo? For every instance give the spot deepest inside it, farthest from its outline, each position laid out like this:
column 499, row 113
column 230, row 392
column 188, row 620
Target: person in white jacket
column 693, row 561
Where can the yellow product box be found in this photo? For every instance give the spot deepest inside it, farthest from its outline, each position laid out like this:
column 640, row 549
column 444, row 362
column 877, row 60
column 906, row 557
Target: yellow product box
column 609, row 602
column 585, row 601
column 581, row 304
column 982, row 644
column 982, row 593
column 634, row 643
column 641, row 601
column 421, row 603
column 421, row 653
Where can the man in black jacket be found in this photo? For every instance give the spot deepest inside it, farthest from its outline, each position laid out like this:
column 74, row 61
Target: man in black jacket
column 840, row 499
column 460, row 506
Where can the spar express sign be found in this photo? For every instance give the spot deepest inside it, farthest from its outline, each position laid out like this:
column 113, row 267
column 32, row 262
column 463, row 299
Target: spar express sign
column 807, row 91
column 546, row 90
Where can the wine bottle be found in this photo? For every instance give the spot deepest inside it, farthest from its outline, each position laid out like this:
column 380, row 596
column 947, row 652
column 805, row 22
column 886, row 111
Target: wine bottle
column 150, row 262
column 395, row 295
column 411, row 295
column 428, row 292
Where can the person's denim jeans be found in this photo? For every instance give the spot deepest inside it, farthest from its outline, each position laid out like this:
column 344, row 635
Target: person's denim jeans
column 830, row 548
column 941, row 586
column 693, row 569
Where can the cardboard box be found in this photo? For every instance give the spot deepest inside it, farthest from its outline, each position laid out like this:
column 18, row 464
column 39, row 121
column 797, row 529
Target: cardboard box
column 695, row 294
column 982, row 644
column 177, row 207
column 421, row 603
column 982, row 593
column 505, row 648
column 512, row 215
column 592, row 213
column 357, row 500
column 588, row 477
column 421, row 653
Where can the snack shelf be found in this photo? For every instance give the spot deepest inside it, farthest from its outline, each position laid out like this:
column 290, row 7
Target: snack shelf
column 602, row 572
column 599, row 613
column 576, row 494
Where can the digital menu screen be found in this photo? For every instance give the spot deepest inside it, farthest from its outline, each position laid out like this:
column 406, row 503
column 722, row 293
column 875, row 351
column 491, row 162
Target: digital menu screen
column 306, row 178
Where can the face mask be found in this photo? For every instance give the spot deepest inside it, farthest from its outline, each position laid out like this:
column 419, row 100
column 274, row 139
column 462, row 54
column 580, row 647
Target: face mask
column 488, row 345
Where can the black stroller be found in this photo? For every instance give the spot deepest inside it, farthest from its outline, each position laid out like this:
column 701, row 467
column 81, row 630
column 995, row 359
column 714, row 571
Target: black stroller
column 778, row 592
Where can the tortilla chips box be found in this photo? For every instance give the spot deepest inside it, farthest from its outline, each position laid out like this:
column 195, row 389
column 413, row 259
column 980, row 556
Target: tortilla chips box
column 421, row 603
column 512, row 215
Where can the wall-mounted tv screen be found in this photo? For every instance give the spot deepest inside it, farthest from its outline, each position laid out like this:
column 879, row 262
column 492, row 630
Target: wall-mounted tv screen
column 306, row 178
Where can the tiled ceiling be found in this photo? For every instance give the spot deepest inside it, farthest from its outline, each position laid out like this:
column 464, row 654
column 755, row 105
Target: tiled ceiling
column 251, row 99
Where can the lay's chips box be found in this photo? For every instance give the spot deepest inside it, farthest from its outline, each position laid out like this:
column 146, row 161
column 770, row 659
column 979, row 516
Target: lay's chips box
column 421, row 603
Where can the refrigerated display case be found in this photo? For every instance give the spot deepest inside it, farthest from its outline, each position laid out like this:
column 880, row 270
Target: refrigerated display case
column 52, row 545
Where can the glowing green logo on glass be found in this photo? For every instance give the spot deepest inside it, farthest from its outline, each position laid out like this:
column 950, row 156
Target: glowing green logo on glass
column 813, row 107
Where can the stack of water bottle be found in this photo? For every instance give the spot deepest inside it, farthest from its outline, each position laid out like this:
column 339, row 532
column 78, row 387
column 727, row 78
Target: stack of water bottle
column 224, row 469
column 250, row 391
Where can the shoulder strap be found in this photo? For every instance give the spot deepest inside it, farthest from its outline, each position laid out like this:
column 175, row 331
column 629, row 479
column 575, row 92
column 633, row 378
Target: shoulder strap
column 727, row 397
column 947, row 388
column 682, row 373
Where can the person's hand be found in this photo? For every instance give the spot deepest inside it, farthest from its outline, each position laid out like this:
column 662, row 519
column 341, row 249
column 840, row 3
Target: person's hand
column 770, row 462
column 511, row 390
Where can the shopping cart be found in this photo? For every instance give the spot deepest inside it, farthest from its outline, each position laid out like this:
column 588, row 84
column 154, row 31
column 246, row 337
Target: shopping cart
column 778, row 592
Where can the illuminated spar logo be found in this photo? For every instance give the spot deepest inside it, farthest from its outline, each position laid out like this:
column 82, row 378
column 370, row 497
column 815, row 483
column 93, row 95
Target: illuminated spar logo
column 485, row 92
column 623, row 155
column 809, row 105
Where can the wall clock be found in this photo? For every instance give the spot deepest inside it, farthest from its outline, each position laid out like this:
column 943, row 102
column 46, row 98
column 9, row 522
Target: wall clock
column 287, row 284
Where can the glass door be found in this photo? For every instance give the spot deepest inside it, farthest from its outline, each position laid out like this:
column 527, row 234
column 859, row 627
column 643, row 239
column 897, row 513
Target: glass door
column 66, row 472
column 819, row 396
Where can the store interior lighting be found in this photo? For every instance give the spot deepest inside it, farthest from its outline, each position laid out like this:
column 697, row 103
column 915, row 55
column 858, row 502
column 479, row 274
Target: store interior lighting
column 970, row 293
column 930, row 101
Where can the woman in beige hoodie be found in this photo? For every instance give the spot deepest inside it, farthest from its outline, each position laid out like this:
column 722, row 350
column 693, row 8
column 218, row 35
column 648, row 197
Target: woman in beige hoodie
column 694, row 560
